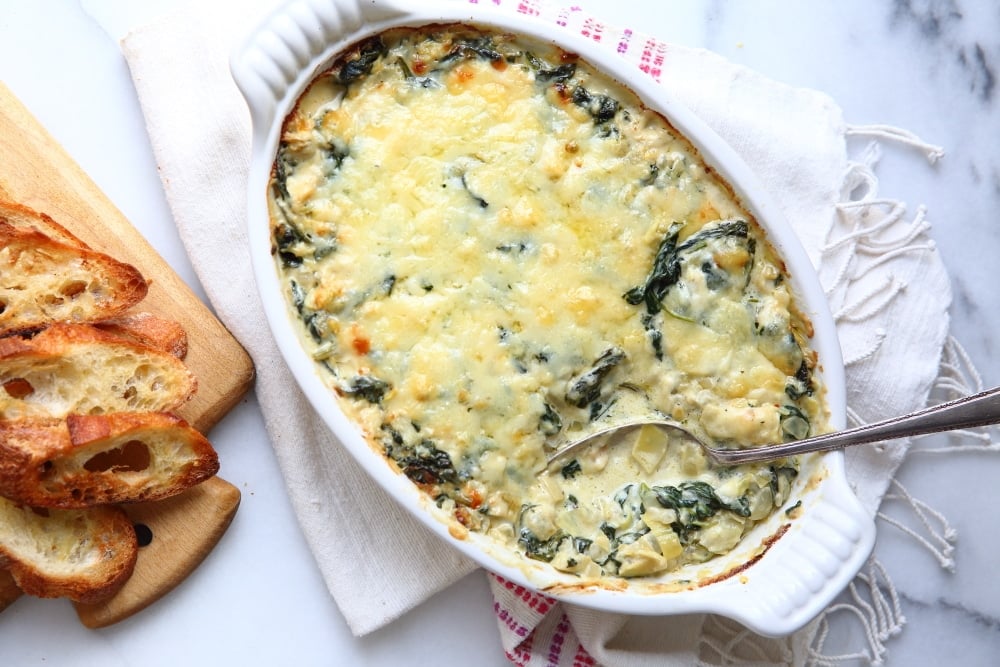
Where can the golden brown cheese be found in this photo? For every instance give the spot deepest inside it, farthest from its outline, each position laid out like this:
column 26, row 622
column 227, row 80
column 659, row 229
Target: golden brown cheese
column 492, row 249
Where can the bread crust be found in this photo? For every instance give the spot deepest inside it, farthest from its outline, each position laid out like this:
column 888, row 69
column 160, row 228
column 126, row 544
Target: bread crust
column 22, row 217
column 149, row 329
column 9, row 590
column 45, row 280
column 88, row 460
column 84, row 555
column 81, row 369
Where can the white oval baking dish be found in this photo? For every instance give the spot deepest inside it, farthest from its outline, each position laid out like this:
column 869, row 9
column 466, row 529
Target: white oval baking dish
column 785, row 571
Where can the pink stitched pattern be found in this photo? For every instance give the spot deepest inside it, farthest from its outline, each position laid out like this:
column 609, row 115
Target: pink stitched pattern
column 654, row 54
column 562, row 18
column 582, row 658
column 623, row 43
column 507, row 618
column 658, row 59
column 558, row 640
column 529, row 7
column 593, row 29
column 521, row 655
column 537, row 603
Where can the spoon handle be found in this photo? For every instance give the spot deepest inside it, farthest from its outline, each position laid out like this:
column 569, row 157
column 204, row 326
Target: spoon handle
column 980, row 409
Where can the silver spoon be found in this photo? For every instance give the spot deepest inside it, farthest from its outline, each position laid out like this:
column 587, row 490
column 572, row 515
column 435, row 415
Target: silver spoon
column 981, row 409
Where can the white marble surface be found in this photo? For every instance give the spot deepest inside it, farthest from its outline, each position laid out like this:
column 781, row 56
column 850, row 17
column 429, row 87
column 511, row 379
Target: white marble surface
column 929, row 66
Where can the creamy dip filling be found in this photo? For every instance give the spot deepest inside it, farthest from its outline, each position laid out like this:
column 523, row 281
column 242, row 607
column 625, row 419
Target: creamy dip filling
column 493, row 248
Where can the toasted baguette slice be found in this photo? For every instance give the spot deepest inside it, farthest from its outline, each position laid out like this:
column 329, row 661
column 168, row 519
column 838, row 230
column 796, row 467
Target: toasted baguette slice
column 22, row 217
column 79, row 369
column 84, row 461
column 84, row 555
column 43, row 280
column 149, row 329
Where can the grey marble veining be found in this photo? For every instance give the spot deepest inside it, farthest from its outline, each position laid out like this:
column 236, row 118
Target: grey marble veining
column 955, row 28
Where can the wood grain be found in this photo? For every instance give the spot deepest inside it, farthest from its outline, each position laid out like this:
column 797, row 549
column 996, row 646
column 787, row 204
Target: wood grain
column 37, row 172
column 184, row 530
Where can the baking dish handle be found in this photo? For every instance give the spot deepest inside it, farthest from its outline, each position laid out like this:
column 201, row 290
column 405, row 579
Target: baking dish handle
column 288, row 43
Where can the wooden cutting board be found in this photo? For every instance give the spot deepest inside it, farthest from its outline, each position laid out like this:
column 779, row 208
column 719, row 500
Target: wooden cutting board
column 37, row 172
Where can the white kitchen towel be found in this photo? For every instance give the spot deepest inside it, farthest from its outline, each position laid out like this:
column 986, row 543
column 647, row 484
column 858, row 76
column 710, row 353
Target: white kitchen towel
column 867, row 250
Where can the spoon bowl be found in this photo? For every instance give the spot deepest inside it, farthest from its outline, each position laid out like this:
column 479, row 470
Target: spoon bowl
column 980, row 409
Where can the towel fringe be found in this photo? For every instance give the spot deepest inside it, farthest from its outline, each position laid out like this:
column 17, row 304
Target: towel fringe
column 869, row 235
column 874, row 603
column 880, row 336
column 931, row 152
column 867, row 246
column 941, row 536
column 726, row 643
column 958, row 377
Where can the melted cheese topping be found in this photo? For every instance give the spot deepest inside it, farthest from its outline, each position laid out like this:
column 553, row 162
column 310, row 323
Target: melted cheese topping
column 494, row 249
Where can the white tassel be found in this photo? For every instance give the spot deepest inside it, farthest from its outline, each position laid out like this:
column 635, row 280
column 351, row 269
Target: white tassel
column 726, row 643
column 871, row 351
column 957, row 378
column 875, row 604
column 932, row 152
column 940, row 542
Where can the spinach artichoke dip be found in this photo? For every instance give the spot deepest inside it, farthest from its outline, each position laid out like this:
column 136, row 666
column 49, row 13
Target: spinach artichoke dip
column 492, row 249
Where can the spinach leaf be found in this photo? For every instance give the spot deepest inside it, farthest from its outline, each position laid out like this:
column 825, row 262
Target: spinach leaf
column 545, row 73
column 794, row 423
column 586, row 388
column 313, row 320
column 571, row 469
column 666, row 269
column 654, row 335
column 366, row 387
column 779, row 474
column 286, row 237
column 801, row 385
column 334, row 153
column 359, row 67
column 479, row 200
column 428, row 465
column 601, row 108
column 479, row 47
column 695, row 502
column 515, row 248
column 738, row 228
column 543, row 550
column 550, row 422
column 534, row 546
column 665, row 272
column 388, row 284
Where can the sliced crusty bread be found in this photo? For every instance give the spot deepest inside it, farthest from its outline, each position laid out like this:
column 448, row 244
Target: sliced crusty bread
column 43, row 280
column 84, row 461
column 22, row 217
column 79, row 369
column 149, row 329
column 84, row 555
